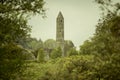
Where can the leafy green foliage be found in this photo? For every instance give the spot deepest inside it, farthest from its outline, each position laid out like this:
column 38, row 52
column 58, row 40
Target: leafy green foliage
column 72, row 68
column 41, row 55
column 13, row 27
column 13, row 18
column 83, row 67
column 50, row 44
column 57, row 52
column 72, row 51
column 87, row 47
column 102, row 63
column 11, row 61
column 105, row 40
column 69, row 68
column 105, row 43
column 26, row 6
column 31, row 43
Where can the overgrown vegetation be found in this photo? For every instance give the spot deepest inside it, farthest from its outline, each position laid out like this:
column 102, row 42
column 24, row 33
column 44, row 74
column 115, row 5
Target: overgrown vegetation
column 97, row 59
column 13, row 27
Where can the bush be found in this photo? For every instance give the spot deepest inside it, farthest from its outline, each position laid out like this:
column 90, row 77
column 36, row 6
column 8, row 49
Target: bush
column 11, row 61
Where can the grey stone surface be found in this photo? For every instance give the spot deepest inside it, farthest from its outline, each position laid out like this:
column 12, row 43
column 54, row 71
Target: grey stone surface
column 60, row 32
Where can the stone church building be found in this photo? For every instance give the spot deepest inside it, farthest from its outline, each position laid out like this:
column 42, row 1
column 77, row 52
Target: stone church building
column 51, row 44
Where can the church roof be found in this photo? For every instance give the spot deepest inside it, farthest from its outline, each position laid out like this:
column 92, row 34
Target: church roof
column 60, row 15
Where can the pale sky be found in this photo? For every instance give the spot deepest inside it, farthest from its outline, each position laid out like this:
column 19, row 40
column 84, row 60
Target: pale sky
column 80, row 18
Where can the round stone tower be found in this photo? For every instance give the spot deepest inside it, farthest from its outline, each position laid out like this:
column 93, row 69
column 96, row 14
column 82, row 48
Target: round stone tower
column 60, row 32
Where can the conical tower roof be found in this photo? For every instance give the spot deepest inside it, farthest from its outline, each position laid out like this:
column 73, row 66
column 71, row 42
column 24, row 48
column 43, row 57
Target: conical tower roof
column 60, row 15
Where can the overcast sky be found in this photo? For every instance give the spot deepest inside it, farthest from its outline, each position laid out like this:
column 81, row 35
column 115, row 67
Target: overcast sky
column 80, row 18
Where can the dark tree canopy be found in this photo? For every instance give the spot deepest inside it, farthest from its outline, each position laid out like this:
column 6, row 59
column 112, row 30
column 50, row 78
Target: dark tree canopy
column 13, row 27
column 21, row 6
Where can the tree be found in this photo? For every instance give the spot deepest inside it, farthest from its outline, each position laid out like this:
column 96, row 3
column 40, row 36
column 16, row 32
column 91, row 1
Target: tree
column 13, row 26
column 22, row 7
column 87, row 47
column 69, row 68
column 72, row 52
column 57, row 52
column 11, row 61
column 13, row 18
column 31, row 44
column 50, row 44
column 41, row 55
column 107, row 32
column 106, row 42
